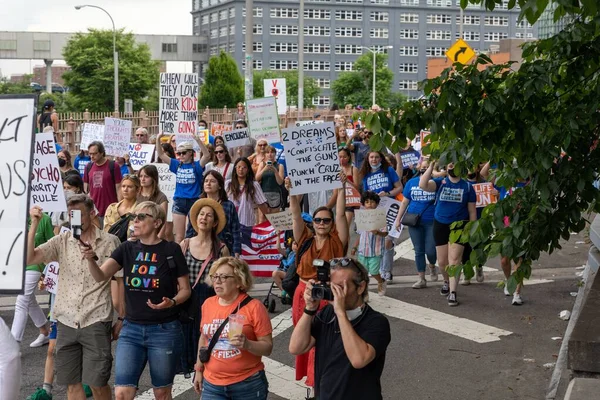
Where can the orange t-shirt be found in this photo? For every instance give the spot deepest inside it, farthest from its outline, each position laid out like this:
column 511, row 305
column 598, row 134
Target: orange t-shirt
column 228, row 364
column 332, row 248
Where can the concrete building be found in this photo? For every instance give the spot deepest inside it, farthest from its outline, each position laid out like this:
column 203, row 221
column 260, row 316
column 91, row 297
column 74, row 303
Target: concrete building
column 546, row 25
column 336, row 30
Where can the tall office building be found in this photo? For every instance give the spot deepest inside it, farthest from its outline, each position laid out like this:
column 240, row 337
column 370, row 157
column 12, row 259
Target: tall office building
column 335, row 32
column 546, row 25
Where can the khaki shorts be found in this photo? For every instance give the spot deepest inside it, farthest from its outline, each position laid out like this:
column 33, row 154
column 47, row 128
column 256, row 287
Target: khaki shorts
column 83, row 355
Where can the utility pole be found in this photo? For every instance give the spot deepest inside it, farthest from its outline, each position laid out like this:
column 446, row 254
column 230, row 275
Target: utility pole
column 248, row 83
column 300, row 59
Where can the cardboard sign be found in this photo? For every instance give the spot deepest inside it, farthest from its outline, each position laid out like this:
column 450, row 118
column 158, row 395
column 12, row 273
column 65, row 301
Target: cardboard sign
column 17, row 127
column 178, row 105
column 410, row 158
column 370, row 220
column 166, row 184
column 46, row 181
column 277, row 88
column 392, row 208
column 51, row 277
column 117, row 135
column 486, row 194
column 281, row 221
column 311, row 156
column 352, row 196
column 236, row 138
column 263, row 120
column 140, row 155
column 218, row 129
column 91, row 133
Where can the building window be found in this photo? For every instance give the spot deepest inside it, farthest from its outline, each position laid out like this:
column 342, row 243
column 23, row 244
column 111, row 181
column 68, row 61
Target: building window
column 257, row 30
column 283, row 65
column 169, row 47
column 409, row 34
column 409, row 2
column 257, row 12
column 323, row 83
column 523, row 24
column 345, row 15
column 409, row 18
column 320, row 101
column 213, row 50
column 439, row 3
column 349, row 1
column 223, row 31
column 408, row 85
column 409, row 51
column 347, row 31
column 520, row 35
column 409, row 68
column 496, row 21
column 204, row 19
column 205, row 3
column 439, row 19
column 223, row 15
column 41, row 45
column 318, row 1
column 257, row 47
column 316, row 66
column 256, row 64
column 283, row 47
column 284, row 30
column 214, row 33
column 379, row 16
column 199, row 48
column 214, row 17
column 381, row 33
column 494, row 36
column 232, row 29
column 223, row 48
column 196, row 21
column 469, row 35
column 312, row 13
column 317, row 48
column 232, row 12
column 438, row 35
column 435, row 51
column 382, row 2
column 284, row 13
column 469, row 20
column 232, row 47
column 348, row 49
column 344, row 66
column 317, row 31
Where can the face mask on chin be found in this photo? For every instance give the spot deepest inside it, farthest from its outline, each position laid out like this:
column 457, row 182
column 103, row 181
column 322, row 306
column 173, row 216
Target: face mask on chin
column 375, row 167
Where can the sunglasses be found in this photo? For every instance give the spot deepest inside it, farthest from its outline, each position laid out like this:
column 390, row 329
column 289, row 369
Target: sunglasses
column 181, row 153
column 219, row 151
column 325, row 221
column 141, row 216
column 346, row 262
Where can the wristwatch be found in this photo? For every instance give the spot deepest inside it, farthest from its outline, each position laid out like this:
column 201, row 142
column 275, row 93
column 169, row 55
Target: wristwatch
column 310, row 312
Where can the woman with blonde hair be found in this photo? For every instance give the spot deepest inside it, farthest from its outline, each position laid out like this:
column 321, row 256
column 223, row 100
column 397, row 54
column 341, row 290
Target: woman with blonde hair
column 150, row 191
column 130, row 189
column 259, row 156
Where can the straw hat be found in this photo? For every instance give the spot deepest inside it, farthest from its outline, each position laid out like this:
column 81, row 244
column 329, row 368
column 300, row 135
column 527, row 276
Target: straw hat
column 218, row 209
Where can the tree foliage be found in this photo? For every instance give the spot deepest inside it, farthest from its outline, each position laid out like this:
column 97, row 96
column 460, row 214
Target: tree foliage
column 223, row 84
column 538, row 125
column 91, row 78
column 22, row 87
column 311, row 89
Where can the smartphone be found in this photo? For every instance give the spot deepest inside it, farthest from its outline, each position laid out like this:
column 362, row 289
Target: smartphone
column 269, row 162
column 75, row 217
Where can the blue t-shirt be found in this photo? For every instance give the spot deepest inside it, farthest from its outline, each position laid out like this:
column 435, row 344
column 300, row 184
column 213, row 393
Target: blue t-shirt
column 452, row 200
column 360, row 152
column 504, row 192
column 280, row 156
column 124, row 170
column 380, row 181
column 80, row 163
column 421, row 201
column 188, row 179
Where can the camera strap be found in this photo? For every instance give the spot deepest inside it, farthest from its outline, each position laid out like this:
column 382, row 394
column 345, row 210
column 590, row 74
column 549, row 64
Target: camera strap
column 217, row 335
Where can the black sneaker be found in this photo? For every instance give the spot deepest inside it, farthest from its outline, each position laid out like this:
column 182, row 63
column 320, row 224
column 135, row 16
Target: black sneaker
column 452, row 302
column 445, row 289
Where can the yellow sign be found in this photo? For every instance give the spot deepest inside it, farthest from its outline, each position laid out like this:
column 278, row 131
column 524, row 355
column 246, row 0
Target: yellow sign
column 460, row 52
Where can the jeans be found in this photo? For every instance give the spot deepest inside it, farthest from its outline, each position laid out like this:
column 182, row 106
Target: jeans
column 387, row 263
column 160, row 345
column 422, row 239
column 255, row 387
column 10, row 364
column 27, row 305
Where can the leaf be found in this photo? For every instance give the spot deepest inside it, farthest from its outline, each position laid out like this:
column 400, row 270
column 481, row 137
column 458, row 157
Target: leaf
column 511, row 283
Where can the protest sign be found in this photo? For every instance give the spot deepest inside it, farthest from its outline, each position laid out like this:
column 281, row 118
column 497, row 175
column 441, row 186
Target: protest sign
column 91, row 133
column 178, row 105
column 392, row 208
column 218, row 129
column 281, row 221
column 370, row 220
column 350, row 132
column 46, row 181
column 263, row 120
column 140, row 154
column 486, row 194
column 352, row 196
column 410, row 158
column 17, row 126
column 117, row 135
column 203, row 135
column 298, row 124
column 311, row 156
column 236, row 138
column 51, row 277
column 422, row 143
column 277, row 88
column 166, row 184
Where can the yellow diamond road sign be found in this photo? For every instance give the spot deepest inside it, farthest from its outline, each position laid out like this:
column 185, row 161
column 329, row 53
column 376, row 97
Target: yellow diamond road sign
column 460, row 52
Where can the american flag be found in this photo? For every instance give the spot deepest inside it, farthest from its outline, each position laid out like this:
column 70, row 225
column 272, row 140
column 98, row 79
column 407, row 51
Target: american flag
column 259, row 248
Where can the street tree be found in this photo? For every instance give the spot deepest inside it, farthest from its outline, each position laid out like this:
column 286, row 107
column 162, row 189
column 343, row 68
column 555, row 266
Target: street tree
column 91, row 78
column 21, row 87
column 538, row 126
column 311, row 89
column 223, row 84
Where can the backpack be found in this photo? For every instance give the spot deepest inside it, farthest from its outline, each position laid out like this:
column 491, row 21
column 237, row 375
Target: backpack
column 120, row 228
column 111, row 166
column 292, row 279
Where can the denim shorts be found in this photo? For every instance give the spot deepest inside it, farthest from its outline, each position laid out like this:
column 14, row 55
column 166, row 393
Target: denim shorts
column 160, row 345
column 255, row 387
column 183, row 206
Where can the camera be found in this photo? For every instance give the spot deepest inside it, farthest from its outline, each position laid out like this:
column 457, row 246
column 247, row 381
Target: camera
column 322, row 290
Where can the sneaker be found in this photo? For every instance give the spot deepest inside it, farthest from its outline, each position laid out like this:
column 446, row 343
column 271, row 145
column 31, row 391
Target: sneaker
column 452, row 302
column 420, row 284
column 389, row 278
column 433, row 274
column 479, row 274
column 517, row 300
column 40, row 341
column 465, row 282
column 445, row 289
column 506, row 292
column 381, row 288
column 40, row 394
column 88, row 391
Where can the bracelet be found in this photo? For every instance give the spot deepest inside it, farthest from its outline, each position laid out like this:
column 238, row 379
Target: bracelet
column 200, row 368
column 310, row 312
column 174, row 301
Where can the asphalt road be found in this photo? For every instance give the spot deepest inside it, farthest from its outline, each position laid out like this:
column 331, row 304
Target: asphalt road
column 483, row 349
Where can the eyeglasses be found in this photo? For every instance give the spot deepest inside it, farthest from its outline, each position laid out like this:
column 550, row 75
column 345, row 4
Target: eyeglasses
column 325, row 221
column 221, row 278
column 141, row 216
column 180, row 153
column 219, row 151
column 91, row 154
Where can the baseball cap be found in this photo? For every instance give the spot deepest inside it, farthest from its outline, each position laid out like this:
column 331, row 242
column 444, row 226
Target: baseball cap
column 48, row 104
column 185, row 146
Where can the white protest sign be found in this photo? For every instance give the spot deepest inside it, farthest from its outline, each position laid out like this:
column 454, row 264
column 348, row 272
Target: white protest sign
column 46, row 181
column 91, row 133
column 311, row 156
column 263, row 120
column 236, row 138
column 51, row 277
column 298, row 124
column 166, row 184
column 392, row 208
column 178, row 105
column 281, row 221
column 17, row 125
column 277, row 88
column 117, row 135
column 140, row 154
column 370, row 220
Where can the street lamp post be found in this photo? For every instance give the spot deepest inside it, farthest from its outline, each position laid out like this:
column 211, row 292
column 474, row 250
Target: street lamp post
column 115, row 54
column 374, row 66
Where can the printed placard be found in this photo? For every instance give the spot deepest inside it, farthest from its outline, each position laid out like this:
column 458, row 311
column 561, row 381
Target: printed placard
column 166, row 184
column 17, row 127
column 117, row 136
column 263, row 120
column 218, row 129
column 370, row 220
column 178, row 105
column 392, row 208
column 486, row 194
column 352, row 196
column 311, row 157
column 46, row 181
column 91, row 133
column 203, row 136
column 410, row 158
column 140, row 154
column 277, row 88
column 51, row 277
column 236, row 138
column 281, row 221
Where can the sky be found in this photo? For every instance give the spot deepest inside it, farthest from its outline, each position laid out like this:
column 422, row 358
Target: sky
column 171, row 17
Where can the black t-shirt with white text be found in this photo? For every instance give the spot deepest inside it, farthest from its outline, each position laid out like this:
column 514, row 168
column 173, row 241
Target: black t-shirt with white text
column 147, row 275
column 335, row 378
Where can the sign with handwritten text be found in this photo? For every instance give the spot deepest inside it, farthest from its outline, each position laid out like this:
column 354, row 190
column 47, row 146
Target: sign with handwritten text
column 236, row 138
column 166, row 184
column 370, row 220
column 117, row 135
column 178, row 105
column 46, row 181
column 217, row 129
column 486, row 194
column 51, row 277
column 281, row 221
column 140, row 154
column 263, row 120
column 311, row 157
column 392, row 208
column 91, row 133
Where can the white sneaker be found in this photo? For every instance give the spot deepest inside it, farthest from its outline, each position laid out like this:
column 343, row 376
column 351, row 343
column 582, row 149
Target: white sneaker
column 40, row 341
column 479, row 274
column 433, row 274
column 420, row 284
column 517, row 300
column 382, row 287
column 465, row 282
column 506, row 292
